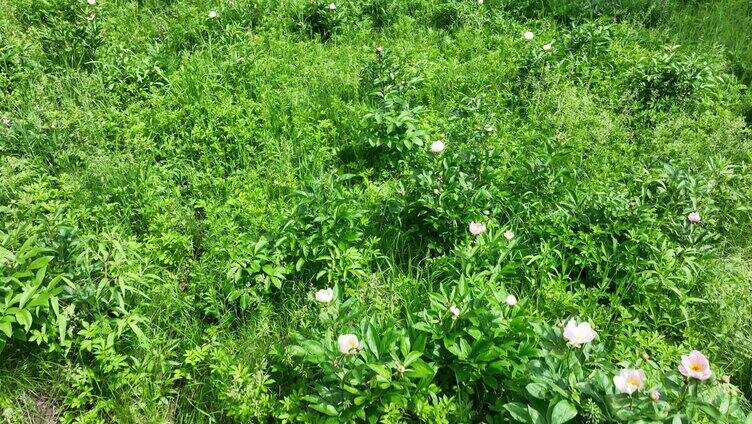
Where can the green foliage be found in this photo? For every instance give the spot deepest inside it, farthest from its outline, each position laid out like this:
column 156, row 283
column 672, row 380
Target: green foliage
column 180, row 191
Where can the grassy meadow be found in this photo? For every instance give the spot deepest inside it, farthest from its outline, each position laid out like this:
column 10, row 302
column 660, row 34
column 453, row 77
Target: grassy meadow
column 381, row 211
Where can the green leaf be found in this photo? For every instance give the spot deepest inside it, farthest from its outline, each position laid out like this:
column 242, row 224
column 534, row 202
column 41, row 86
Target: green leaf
column 381, row 370
column 518, row 411
column 325, row 408
column 24, row 318
column 563, row 411
column 39, row 262
column 371, row 341
column 537, row 390
column 313, row 348
column 411, row 357
column 709, row 410
column 6, row 328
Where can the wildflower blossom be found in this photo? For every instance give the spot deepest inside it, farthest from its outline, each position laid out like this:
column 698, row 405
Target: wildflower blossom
column 548, row 46
column 511, row 300
column 528, row 35
column 694, row 217
column 454, row 310
column 695, row 365
column 91, row 2
column 348, row 344
column 212, row 14
column 332, row 6
column 655, row 395
column 476, row 228
column 324, row 295
column 437, row 146
column 508, row 234
column 579, row 334
column 629, row 380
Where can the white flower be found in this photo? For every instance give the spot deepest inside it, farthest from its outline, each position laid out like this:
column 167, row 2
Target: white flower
column 6, row 121
column 437, row 146
column 528, row 35
column 454, row 310
column 212, row 14
column 508, row 234
column 511, row 300
column 324, row 295
column 476, row 228
column 489, row 128
column 548, row 46
column 480, row 1
column 91, row 17
column 579, row 334
column 348, row 344
column 91, row 2
column 436, row 191
column 332, row 6
column 629, row 380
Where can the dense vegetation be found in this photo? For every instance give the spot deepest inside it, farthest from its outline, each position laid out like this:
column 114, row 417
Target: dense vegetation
column 444, row 211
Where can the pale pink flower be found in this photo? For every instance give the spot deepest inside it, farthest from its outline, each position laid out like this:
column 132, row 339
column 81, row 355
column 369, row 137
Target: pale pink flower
column 477, row 228
column 655, row 395
column 694, row 217
column 511, row 300
column 324, row 295
column 695, row 365
column 454, row 310
column 528, row 35
column 213, row 14
column 629, row 380
column 348, row 344
column 508, row 234
column 437, row 146
column 579, row 334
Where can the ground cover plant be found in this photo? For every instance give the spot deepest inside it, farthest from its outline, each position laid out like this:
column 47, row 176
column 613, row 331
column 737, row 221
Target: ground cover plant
column 451, row 211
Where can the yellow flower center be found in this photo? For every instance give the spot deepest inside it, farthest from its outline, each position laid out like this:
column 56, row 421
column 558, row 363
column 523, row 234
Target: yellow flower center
column 695, row 367
column 633, row 381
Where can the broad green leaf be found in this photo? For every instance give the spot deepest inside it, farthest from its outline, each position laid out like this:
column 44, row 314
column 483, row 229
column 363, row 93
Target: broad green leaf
column 39, row 262
column 6, row 328
column 537, row 390
column 371, row 341
column 325, row 408
column 411, row 357
column 518, row 411
column 24, row 318
column 563, row 411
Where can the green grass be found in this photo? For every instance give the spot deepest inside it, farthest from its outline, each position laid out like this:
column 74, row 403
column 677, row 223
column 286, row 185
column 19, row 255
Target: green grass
column 150, row 148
